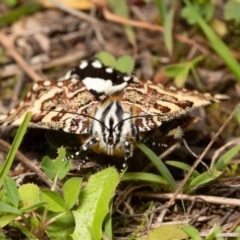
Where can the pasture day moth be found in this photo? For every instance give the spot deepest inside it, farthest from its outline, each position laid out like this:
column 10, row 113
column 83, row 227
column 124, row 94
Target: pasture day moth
column 110, row 107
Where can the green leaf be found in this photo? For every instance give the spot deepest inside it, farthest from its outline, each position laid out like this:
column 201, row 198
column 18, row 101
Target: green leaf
column 11, row 191
column 141, row 176
column 57, row 167
column 170, row 232
column 174, row 69
column 106, row 58
column 121, row 8
column 204, row 178
column 238, row 116
column 71, row 191
column 6, row 219
column 15, row 145
column 94, row 202
column 108, row 231
column 25, row 231
column 62, row 227
column 192, row 232
column 29, row 199
column 62, row 167
column 125, row 64
column 16, row 13
column 216, row 229
column 227, row 157
column 168, row 28
column 205, row 10
column 53, row 201
column 162, row 9
column 48, row 167
column 183, row 166
column 216, row 43
column 9, row 209
column 232, row 11
column 10, row 3
column 159, row 165
column 32, row 207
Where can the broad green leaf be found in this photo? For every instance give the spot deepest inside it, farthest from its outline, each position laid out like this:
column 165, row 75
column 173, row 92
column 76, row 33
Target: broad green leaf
column 125, row 64
column 11, row 191
column 62, row 167
column 232, row 11
column 7, row 218
column 227, row 157
column 71, row 191
column 166, row 232
column 94, row 204
column 9, row 209
column 141, row 176
column 15, row 145
column 192, row 232
column 206, row 11
column 61, row 155
column 53, row 201
column 29, row 199
column 159, row 165
column 57, row 167
column 48, row 167
column 106, row 58
column 168, row 28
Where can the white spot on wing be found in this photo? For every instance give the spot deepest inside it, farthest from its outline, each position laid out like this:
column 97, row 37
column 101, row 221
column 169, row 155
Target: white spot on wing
column 83, row 64
column 109, row 70
column 46, row 83
column 60, row 84
column 67, row 75
column 35, row 86
column 97, row 84
column 96, row 64
column 13, row 111
column 127, row 78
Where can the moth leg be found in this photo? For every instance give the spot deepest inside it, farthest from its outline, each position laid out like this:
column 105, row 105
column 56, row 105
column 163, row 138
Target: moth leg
column 128, row 152
column 87, row 145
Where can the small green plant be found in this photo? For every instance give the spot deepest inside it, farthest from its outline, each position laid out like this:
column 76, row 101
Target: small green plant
column 57, row 214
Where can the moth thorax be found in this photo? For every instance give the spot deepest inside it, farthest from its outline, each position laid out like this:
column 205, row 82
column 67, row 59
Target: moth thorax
column 112, row 125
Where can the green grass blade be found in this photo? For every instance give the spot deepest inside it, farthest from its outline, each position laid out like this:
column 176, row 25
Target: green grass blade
column 141, row 176
column 15, row 145
column 224, row 160
column 168, row 27
column 216, row 43
column 158, row 164
column 183, row 166
column 162, row 9
column 108, row 222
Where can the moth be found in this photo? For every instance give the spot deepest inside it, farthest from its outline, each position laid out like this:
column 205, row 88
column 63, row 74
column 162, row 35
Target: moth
column 110, row 109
